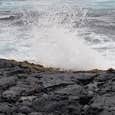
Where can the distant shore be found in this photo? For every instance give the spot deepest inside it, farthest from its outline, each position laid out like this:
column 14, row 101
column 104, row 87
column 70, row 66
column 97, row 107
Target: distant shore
column 31, row 89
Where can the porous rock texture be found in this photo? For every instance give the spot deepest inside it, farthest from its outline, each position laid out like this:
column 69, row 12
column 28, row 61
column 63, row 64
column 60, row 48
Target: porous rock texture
column 29, row 89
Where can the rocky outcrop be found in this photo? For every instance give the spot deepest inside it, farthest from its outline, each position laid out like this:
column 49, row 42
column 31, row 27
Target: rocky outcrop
column 29, row 89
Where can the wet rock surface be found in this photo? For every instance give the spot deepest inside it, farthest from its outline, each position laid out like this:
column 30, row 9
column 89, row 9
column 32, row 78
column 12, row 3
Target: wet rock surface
column 28, row 89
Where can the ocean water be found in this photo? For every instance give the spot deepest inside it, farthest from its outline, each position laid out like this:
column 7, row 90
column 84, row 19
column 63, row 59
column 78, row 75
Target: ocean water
column 67, row 34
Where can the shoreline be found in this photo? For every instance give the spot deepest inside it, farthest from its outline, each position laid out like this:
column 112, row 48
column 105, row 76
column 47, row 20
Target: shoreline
column 40, row 67
column 30, row 89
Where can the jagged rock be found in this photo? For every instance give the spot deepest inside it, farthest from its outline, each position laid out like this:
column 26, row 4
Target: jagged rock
column 111, row 70
column 85, row 78
column 27, row 99
column 12, row 94
column 16, row 70
column 25, row 109
column 52, row 104
column 35, row 113
column 104, row 104
column 39, row 103
column 105, row 76
column 6, row 82
column 19, row 114
column 75, row 90
column 53, row 81
column 5, row 64
column 85, row 99
column 7, row 108
column 29, row 89
column 74, row 98
column 105, row 112
column 40, row 113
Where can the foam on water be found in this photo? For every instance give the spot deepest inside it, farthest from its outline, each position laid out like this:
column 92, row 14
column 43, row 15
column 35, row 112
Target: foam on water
column 51, row 36
column 57, row 47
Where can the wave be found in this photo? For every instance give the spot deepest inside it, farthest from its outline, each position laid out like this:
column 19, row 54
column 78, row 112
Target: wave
column 51, row 37
column 57, row 47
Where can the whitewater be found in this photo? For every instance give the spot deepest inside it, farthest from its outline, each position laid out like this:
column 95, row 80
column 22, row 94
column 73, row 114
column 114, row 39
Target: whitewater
column 66, row 34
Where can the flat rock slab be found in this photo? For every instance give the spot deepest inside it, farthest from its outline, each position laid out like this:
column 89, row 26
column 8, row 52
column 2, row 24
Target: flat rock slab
column 29, row 89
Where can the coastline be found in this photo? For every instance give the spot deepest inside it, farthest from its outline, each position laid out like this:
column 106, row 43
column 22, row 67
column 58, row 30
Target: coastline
column 32, row 89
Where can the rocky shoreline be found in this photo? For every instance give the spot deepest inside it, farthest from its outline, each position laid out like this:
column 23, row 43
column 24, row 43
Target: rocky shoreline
column 29, row 89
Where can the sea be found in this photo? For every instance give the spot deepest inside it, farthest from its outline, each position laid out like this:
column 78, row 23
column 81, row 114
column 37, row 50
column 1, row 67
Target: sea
column 65, row 34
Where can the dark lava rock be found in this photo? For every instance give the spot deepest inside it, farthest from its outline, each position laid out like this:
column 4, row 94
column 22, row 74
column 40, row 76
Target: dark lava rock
column 29, row 89
column 84, row 78
column 16, row 70
column 35, row 113
column 25, row 109
column 5, row 63
column 12, row 94
column 19, row 114
column 104, row 76
column 6, row 108
column 6, row 82
column 75, row 90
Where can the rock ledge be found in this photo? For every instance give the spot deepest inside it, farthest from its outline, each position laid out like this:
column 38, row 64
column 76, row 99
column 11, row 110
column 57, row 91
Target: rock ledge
column 29, row 89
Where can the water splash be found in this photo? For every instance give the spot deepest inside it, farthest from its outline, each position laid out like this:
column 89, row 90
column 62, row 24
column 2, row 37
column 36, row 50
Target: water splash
column 57, row 47
column 51, row 36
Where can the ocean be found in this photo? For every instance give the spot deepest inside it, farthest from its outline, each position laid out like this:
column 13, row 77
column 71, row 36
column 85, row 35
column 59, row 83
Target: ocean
column 66, row 34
